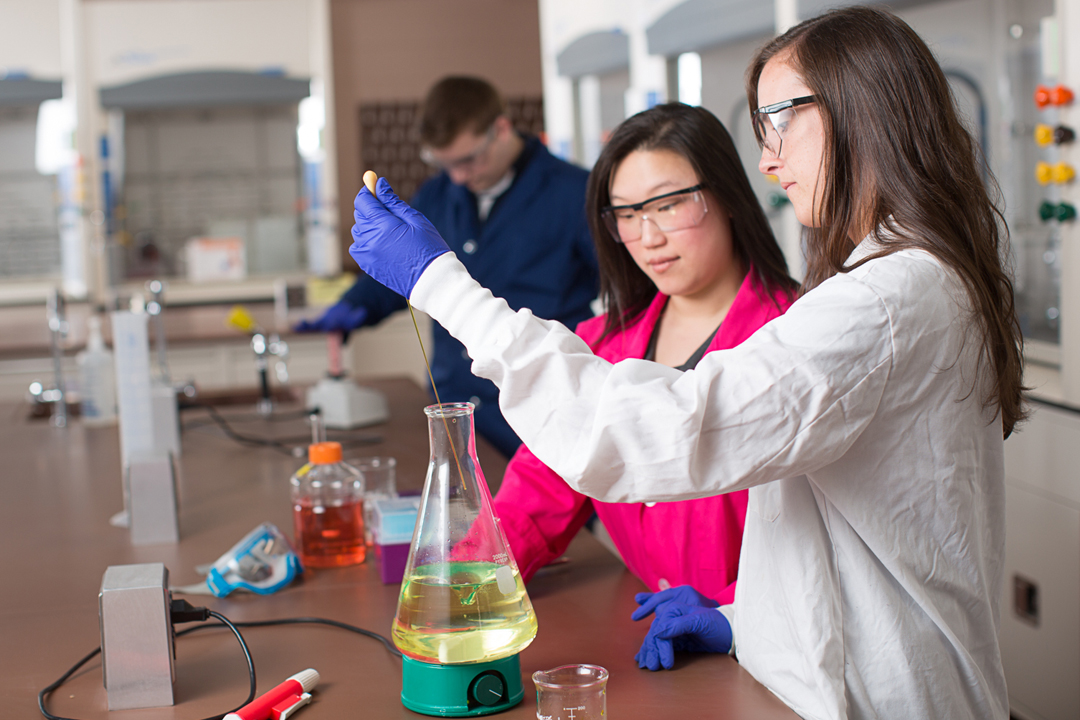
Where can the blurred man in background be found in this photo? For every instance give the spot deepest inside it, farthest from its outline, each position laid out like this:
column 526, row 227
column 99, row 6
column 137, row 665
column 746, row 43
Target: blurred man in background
column 512, row 212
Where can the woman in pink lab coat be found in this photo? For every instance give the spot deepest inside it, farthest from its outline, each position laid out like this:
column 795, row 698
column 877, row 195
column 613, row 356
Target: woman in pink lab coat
column 688, row 265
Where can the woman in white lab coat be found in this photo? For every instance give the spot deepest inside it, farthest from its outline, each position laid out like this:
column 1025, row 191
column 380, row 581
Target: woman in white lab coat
column 867, row 422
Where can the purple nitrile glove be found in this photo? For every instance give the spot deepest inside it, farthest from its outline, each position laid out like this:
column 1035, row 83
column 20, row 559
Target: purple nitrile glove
column 658, row 649
column 340, row 317
column 392, row 242
column 683, row 593
column 678, row 626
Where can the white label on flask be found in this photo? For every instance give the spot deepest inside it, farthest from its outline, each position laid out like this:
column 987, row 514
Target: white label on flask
column 504, row 576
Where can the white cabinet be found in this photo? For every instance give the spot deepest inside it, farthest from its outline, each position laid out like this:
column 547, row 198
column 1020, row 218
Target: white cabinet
column 1040, row 610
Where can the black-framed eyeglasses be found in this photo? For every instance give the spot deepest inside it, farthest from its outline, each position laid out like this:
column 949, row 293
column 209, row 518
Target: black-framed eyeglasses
column 469, row 160
column 780, row 115
column 671, row 211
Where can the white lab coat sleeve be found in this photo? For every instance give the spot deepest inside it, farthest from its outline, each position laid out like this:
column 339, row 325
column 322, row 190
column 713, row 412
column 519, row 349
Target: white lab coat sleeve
column 792, row 398
column 728, row 611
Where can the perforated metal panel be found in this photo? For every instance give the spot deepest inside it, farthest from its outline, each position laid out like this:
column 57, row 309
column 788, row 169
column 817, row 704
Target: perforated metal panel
column 189, row 172
column 390, row 139
column 29, row 235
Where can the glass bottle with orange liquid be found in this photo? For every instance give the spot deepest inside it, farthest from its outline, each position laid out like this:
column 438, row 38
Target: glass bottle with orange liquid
column 328, row 509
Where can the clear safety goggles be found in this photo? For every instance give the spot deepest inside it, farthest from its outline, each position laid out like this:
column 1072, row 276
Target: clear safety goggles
column 672, row 211
column 263, row 562
column 463, row 163
column 773, row 122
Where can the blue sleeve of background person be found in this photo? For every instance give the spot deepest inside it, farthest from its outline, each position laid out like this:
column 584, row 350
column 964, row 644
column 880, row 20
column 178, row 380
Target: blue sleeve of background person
column 428, row 194
column 379, row 300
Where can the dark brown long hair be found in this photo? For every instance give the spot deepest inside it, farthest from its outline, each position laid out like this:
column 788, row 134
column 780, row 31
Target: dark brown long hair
column 697, row 135
column 899, row 159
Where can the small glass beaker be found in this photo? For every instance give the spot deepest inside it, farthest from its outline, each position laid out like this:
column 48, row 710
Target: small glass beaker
column 380, row 483
column 571, row 692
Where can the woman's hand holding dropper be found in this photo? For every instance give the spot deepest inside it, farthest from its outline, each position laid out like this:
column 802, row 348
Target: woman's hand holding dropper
column 392, row 243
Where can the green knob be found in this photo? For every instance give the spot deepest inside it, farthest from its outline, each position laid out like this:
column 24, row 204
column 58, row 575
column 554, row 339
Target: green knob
column 1047, row 211
column 1065, row 212
column 489, row 690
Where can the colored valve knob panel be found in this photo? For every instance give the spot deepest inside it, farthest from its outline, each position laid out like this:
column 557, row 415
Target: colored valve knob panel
column 1062, row 212
column 1045, row 135
column 1057, row 95
column 1059, row 173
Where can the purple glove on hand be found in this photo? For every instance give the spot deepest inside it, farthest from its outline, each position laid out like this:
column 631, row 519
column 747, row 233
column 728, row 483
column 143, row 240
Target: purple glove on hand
column 340, row 317
column 683, row 594
column 392, row 242
column 685, row 620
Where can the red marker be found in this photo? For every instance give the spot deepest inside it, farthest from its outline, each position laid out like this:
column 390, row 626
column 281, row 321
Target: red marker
column 282, row 701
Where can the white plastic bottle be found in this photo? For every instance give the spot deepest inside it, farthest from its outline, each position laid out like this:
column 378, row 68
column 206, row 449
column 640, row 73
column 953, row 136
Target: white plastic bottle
column 97, row 382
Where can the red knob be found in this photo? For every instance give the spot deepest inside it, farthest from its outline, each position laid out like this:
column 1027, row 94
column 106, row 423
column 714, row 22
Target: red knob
column 1057, row 95
column 1042, row 96
column 1061, row 95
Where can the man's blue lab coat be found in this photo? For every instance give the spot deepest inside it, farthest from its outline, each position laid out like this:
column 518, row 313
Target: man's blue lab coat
column 534, row 250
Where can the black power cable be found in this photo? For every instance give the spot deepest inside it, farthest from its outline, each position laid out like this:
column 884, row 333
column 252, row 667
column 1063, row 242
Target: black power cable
column 294, row 446
column 184, row 612
column 323, row 621
column 225, row 622
column 247, row 656
column 63, row 678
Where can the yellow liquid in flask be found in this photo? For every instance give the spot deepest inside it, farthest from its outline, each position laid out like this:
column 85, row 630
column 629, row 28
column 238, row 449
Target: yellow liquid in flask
column 470, row 612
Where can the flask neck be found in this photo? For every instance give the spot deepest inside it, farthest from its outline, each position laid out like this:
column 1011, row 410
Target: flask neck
column 450, row 432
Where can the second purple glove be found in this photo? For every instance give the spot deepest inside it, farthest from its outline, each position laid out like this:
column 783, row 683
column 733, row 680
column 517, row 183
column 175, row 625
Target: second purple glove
column 685, row 594
column 685, row 620
column 679, row 626
column 340, row 317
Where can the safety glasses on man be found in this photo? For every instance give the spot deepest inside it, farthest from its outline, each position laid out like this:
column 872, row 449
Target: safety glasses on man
column 437, row 159
column 671, row 211
column 780, row 115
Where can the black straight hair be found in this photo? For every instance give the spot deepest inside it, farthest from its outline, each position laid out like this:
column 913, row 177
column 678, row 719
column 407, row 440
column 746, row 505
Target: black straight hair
column 698, row 136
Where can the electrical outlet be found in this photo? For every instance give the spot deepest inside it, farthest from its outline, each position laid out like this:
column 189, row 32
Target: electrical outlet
column 1026, row 600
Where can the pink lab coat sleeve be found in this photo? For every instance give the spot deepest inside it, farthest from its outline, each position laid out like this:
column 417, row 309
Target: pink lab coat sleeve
column 540, row 513
column 693, row 542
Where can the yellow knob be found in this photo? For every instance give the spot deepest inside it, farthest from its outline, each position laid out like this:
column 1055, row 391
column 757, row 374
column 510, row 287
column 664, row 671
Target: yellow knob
column 370, row 178
column 1044, row 134
column 1043, row 173
column 1063, row 172
column 241, row 319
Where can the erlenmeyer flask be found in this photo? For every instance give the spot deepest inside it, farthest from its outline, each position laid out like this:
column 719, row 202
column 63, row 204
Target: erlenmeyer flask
column 462, row 599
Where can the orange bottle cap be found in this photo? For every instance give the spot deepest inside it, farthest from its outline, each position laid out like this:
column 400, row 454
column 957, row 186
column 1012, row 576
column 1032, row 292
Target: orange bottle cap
column 324, row 453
